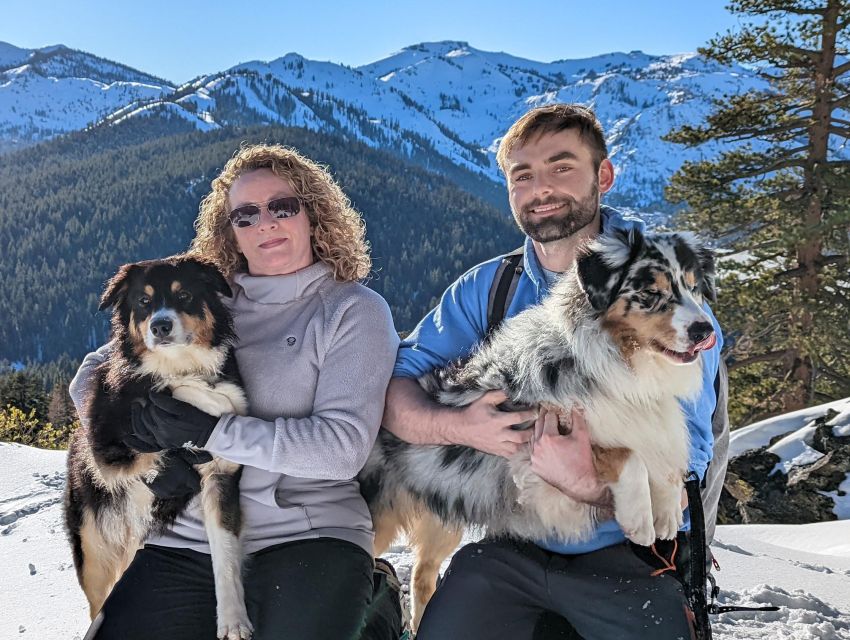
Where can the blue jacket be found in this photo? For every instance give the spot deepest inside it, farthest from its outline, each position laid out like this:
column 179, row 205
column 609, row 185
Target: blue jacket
column 459, row 322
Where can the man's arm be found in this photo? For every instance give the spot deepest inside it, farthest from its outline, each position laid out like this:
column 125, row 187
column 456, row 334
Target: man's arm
column 414, row 417
column 447, row 333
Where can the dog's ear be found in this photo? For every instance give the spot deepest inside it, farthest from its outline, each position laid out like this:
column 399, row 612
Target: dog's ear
column 212, row 276
column 116, row 288
column 694, row 256
column 706, row 263
column 601, row 265
column 596, row 279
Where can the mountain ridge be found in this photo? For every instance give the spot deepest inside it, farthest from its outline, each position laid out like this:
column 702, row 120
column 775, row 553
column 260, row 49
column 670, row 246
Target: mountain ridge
column 445, row 98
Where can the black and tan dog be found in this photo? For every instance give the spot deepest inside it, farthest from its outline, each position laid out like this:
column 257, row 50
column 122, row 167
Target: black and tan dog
column 170, row 330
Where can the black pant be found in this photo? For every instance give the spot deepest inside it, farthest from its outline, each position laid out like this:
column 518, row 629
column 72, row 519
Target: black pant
column 319, row 589
column 502, row 590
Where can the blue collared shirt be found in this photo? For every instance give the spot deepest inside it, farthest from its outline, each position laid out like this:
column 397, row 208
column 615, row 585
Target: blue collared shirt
column 459, row 322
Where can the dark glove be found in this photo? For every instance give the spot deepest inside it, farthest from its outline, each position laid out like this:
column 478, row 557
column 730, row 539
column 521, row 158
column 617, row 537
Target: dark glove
column 167, row 423
column 177, row 478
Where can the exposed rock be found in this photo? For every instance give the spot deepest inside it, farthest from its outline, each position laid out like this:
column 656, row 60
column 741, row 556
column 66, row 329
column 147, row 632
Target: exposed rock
column 753, row 493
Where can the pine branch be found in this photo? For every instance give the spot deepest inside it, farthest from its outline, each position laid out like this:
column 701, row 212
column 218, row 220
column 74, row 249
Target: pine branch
column 771, row 356
column 833, row 375
column 843, row 132
column 820, row 263
column 771, row 168
column 762, row 8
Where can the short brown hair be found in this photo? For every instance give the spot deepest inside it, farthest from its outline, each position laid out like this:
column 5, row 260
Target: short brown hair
column 338, row 234
column 554, row 118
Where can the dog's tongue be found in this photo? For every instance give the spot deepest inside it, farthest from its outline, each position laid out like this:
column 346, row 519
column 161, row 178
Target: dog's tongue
column 705, row 345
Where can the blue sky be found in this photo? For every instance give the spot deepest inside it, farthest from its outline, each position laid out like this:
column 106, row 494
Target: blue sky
column 180, row 39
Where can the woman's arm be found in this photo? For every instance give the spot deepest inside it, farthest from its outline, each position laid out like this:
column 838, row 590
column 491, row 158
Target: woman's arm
column 334, row 442
column 80, row 387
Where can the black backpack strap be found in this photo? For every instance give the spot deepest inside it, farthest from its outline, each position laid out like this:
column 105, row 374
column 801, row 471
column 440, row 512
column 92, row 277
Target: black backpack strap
column 503, row 288
column 696, row 578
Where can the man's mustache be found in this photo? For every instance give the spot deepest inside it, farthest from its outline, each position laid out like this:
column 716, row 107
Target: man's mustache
column 550, row 200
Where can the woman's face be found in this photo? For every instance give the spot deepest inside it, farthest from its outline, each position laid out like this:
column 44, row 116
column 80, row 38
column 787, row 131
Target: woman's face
column 272, row 247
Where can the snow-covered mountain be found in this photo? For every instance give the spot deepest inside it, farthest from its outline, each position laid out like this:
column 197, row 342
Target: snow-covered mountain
column 54, row 90
column 434, row 102
column 456, row 100
column 803, row 569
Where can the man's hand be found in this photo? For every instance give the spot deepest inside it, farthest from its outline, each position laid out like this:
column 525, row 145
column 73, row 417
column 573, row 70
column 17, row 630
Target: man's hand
column 566, row 461
column 482, row 426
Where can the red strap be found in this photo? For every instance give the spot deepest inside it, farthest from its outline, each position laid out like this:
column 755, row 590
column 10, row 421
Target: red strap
column 669, row 565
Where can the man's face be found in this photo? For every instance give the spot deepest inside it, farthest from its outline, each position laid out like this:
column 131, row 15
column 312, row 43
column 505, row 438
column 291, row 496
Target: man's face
column 553, row 187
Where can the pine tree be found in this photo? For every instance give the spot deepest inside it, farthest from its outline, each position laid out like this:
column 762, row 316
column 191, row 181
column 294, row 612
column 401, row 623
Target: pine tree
column 779, row 199
column 60, row 410
column 25, row 391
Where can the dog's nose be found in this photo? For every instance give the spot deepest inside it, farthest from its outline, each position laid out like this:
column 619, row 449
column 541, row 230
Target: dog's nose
column 161, row 328
column 700, row 331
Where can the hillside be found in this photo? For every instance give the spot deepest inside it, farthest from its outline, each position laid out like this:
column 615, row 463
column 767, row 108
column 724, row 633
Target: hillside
column 439, row 104
column 74, row 209
column 54, row 90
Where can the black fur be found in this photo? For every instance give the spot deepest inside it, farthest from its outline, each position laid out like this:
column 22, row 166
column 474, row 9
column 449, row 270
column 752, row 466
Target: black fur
column 97, row 449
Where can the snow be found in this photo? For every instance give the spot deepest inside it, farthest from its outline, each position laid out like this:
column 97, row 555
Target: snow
column 760, row 434
column 444, row 97
column 11, row 55
column 803, row 569
column 56, row 90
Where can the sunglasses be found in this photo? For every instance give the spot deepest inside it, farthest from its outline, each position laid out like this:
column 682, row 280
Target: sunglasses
column 279, row 208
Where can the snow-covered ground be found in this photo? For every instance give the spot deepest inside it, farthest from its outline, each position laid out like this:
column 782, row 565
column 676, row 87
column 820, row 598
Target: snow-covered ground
column 804, row 569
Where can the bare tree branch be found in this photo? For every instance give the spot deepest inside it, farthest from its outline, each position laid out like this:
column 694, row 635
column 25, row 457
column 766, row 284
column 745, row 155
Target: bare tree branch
column 771, row 356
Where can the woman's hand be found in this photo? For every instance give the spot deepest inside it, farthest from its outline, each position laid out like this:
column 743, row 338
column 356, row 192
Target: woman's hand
column 167, row 423
column 176, row 476
column 564, row 458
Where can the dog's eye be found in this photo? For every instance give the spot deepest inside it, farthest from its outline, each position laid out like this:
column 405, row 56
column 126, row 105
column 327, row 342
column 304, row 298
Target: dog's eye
column 649, row 298
column 144, row 301
column 184, row 296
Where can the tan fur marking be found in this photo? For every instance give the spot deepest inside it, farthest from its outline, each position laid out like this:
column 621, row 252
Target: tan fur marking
column 662, row 281
column 176, row 286
column 149, row 290
column 690, row 279
column 658, row 327
column 433, row 542
column 638, row 329
column 200, row 328
column 609, row 462
column 137, row 334
column 103, row 564
column 618, row 323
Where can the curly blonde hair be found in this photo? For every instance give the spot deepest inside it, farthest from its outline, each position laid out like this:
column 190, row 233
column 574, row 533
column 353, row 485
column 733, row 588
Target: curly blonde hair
column 338, row 234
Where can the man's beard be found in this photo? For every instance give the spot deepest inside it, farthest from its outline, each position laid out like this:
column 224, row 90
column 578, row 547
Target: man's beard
column 578, row 214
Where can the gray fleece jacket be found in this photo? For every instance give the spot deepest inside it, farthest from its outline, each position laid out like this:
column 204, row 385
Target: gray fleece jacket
column 315, row 356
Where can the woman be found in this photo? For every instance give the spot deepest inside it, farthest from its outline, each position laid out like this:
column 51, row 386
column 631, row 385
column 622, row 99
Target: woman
column 315, row 350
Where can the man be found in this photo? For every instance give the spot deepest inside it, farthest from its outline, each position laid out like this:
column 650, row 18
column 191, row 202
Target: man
column 555, row 161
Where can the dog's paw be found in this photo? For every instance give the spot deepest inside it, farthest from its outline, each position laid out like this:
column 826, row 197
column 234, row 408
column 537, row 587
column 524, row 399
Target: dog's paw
column 235, row 630
column 667, row 523
column 638, row 527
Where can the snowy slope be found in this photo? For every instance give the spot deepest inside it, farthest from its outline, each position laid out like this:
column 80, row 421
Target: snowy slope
column 54, row 90
column 803, row 569
column 458, row 101
column 444, row 98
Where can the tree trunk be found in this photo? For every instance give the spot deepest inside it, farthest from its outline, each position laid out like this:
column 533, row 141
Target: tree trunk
column 801, row 367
